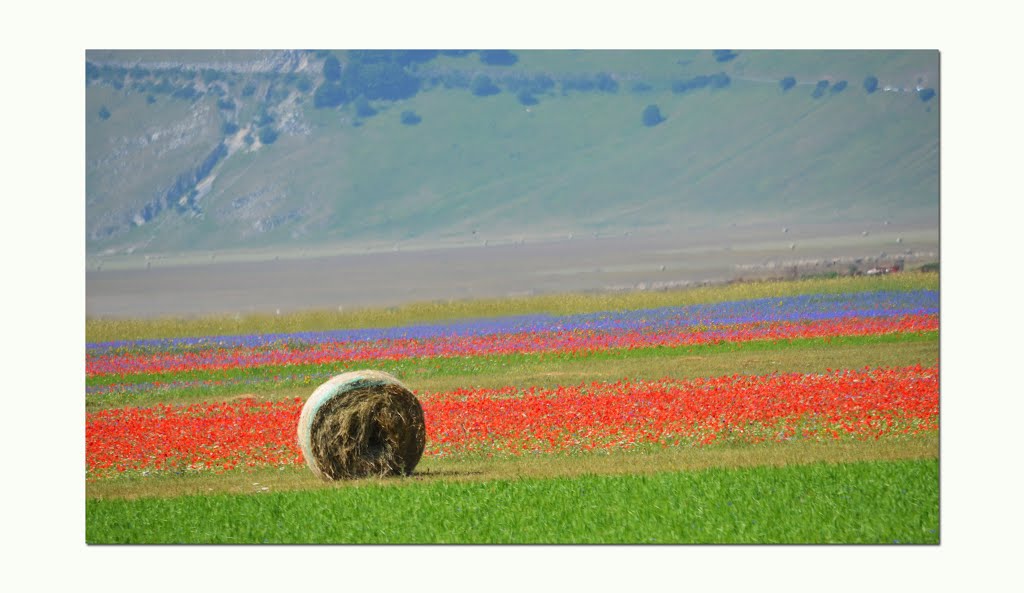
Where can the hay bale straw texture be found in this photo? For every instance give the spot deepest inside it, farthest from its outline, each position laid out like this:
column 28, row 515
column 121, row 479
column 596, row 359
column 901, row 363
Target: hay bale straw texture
column 362, row 423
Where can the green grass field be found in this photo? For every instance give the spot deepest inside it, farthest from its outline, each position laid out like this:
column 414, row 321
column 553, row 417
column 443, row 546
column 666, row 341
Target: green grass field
column 873, row 502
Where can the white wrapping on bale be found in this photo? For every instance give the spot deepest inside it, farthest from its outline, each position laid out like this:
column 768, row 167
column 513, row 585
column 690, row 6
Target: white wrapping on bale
column 362, row 423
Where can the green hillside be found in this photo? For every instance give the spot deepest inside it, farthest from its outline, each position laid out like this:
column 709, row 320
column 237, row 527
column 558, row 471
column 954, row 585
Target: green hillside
column 235, row 150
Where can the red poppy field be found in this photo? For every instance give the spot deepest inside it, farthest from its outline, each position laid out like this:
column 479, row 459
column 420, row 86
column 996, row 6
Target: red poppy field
column 875, row 398
column 864, row 404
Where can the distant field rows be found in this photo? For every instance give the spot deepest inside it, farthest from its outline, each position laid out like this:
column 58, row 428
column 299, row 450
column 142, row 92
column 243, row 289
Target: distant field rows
column 573, row 341
column 101, row 330
column 129, row 367
column 643, row 343
column 811, row 355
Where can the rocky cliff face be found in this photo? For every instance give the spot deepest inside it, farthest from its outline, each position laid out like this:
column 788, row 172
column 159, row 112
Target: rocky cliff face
column 241, row 62
column 165, row 126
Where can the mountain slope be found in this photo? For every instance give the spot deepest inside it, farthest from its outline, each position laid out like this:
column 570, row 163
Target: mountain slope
column 229, row 150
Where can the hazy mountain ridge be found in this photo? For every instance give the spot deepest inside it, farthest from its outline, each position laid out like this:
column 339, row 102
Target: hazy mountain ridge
column 208, row 152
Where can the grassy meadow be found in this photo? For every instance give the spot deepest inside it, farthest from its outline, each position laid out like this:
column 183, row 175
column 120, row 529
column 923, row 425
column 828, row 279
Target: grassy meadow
column 864, row 502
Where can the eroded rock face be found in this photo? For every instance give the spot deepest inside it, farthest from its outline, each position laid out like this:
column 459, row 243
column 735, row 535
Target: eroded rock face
column 173, row 124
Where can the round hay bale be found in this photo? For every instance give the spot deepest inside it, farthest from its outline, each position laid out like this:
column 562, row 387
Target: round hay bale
column 362, row 423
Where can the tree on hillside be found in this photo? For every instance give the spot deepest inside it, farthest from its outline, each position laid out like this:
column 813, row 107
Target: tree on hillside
column 414, row 56
column 536, row 84
column 410, row 118
column 819, row 89
column 483, row 87
column 163, row 87
column 329, row 94
column 363, row 107
column 210, row 162
column 838, row 87
column 578, row 82
column 378, row 79
column 870, row 84
column 700, row 81
column 787, row 83
column 526, row 98
column 268, row 135
column 264, row 118
column 682, row 86
column 210, row 75
column 607, row 84
column 652, row 116
column 275, row 94
column 104, row 112
column 498, row 57
column 303, row 84
column 926, row 94
column 332, row 68
column 187, row 92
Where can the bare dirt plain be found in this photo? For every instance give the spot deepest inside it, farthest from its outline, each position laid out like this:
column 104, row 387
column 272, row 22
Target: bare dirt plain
column 189, row 286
